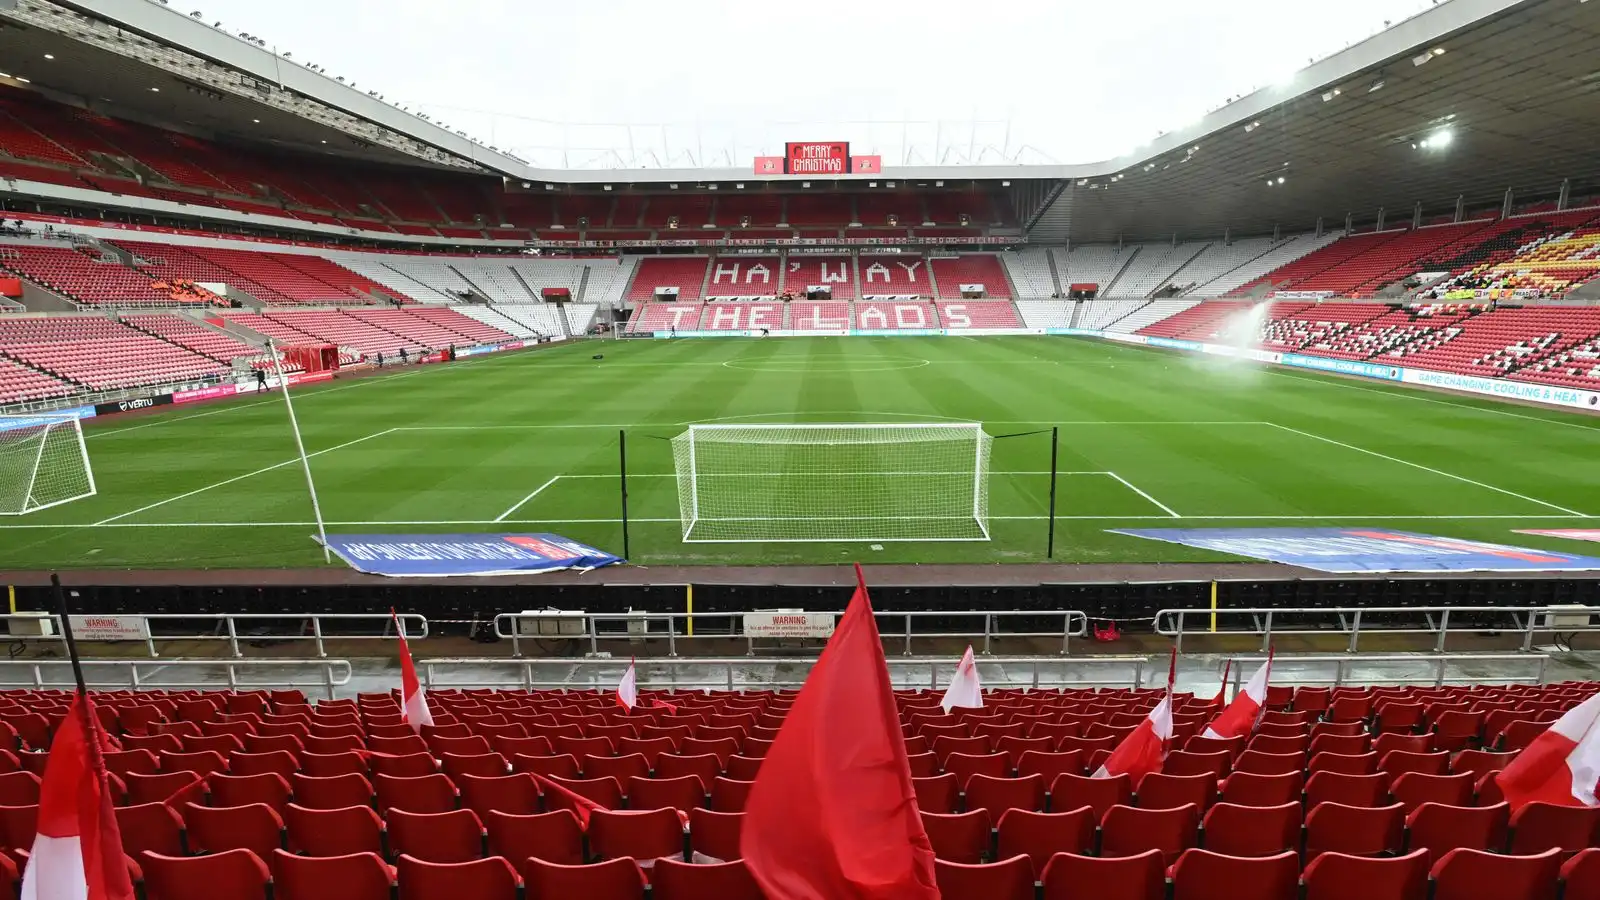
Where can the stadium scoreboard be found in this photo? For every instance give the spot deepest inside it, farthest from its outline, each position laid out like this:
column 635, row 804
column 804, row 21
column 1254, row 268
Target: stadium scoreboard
column 816, row 158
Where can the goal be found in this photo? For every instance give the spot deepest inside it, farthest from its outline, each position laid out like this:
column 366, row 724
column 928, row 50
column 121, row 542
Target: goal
column 43, row 463
column 815, row 482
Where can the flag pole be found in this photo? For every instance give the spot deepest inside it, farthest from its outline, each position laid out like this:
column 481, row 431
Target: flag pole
column 1050, row 531
column 66, row 631
column 300, row 444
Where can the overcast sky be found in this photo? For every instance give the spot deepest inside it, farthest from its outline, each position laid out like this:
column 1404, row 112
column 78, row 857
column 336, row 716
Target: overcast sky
column 714, row 82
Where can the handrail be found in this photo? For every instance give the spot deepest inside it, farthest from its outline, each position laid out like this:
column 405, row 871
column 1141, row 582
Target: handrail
column 334, row 673
column 1074, row 624
column 733, row 673
column 1243, row 666
column 1348, row 620
column 227, row 628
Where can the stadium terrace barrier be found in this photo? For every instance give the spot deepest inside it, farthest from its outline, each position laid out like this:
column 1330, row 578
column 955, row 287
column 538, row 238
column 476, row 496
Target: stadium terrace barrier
column 684, row 627
column 1440, row 622
column 155, row 628
column 275, row 674
column 1435, row 666
column 740, row 673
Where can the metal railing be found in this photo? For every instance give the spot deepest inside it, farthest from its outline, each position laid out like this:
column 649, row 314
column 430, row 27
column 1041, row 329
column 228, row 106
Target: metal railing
column 1434, row 666
column 329, row 674
column 1438, row 622
column 736, row 673
column 278, row 628
column 674, row 628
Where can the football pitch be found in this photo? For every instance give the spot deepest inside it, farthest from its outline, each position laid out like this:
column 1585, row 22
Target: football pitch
column 528, row 442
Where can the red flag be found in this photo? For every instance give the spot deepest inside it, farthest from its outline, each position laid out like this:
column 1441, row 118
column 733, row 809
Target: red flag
column 1144, row 750
column 1221, row 700
column 413, row 702
column 832, row 814
column 77, row 853
column 1562, row 765
column 1242, row 715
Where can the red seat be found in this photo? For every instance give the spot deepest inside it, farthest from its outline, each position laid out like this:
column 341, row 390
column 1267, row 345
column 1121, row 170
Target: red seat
column 1251, row 789
column 1478, row 762
column 155, row 827
column 553, row 836
column 1354, row 830
column 1343, row 763
column 330, row 793
column 685, row 792
column 1399, row 762
column 177, row 787
column 355, row 876
column 604, row 791
column 1162, row 791
column 1040, row 836
column 617, row 879
column 1204, row 875
column 619, row 767
column 1411, row 743
column 966, row 765
column 635, row 834
column 1538, row 827
column 671, row 765
column 1413, row 789
column 1009, row 879
column 332, row 832
column 1129, row 831
column 327, row 765
column 715, row 834
column 1100, row 794
column 19, row 789
column 1581, row 874
column 674, row 880
column 425, row 793
column 1466, row 874
column 1440, row 829
column 242, row 790
column 1188, row 762
column 1072, row 877
column 958, row 837
column 1350, row 790
column 1338, row 876
column 1050, row 764
column 938, row 794
column 1252, row 830
column 255, row 827
column 484, row 765
column 1344, row 744
column 728, row 794
column 517, row 794
column 232, row 875
column 482, row 879
column 1000, row 794
column 445, row 837
column 557, row 766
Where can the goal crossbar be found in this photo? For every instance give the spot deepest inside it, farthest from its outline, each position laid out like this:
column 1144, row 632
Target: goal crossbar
column 847, row 482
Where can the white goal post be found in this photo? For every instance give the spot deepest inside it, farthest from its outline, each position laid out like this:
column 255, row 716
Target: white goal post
column 833, row 482
column 43, row 463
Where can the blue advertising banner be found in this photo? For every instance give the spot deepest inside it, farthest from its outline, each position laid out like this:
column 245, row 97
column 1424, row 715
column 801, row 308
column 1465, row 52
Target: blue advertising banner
column 1352, row 550
column 439, row 555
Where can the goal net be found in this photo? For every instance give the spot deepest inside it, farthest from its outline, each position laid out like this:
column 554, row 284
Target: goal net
column 43, row 463
column 740, row 483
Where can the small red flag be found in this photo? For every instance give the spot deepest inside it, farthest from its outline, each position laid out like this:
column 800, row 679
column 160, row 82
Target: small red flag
column 413, row 700
column 832, row 814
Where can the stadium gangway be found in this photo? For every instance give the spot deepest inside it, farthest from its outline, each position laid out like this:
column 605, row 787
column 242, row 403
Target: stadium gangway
column 156, row 628
column 209, row 674
column 1439, row 622
column 675, row 627
column 1425, row 669
column 743, row 673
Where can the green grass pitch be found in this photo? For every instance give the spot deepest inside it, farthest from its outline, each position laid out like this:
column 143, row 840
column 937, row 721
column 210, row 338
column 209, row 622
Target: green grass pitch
column 528, row 442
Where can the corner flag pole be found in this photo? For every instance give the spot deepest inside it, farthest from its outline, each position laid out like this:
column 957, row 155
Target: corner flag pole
column 622, row 481
column 66, row 630
column 1050, row 542
column 300, row 444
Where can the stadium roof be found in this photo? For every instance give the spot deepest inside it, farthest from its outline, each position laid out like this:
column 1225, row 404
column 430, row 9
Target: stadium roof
column 1514, row 91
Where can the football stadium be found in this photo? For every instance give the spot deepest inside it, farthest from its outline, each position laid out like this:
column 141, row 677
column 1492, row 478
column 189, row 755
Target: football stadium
column 816, row 504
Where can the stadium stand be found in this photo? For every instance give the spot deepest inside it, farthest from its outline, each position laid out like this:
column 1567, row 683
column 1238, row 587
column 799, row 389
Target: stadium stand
column 541, row 319
column 100, row 354
column 1102, row 314
column 884, row 316
column 898, row 275
column 1257, row 270
column 978, row 314
column 1096, row 264
column 83, row 276
column 452, row 819
column 1030, row 273
column 1150, row 313
column 686, row 273
column 1149, row 267
column 659, row 316
column 1046, row 313
column 745, row 276
column 20, row 382
column 833, row 272
column 819, row 316
column 491, row 317
column 724, row 316
column 190, row 335
column 1195, row 321
column 951, row 272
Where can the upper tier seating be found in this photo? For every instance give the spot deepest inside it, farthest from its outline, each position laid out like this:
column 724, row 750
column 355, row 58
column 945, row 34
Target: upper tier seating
column 101, row 354
column 977, row 268
column 82, row 276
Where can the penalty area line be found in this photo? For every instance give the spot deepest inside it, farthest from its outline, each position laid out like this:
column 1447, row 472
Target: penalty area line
column 519, row 504
column 1162, row 506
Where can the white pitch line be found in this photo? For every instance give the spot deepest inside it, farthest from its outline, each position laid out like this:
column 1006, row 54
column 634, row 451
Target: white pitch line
column 229, row 481
column 675, row 520
column 503, row 516
column 1129, row 485
column 1461, row 478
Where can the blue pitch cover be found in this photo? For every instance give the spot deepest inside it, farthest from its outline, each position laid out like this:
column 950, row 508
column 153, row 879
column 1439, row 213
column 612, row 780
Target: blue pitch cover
column 1352, row 550
column 439, row 555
